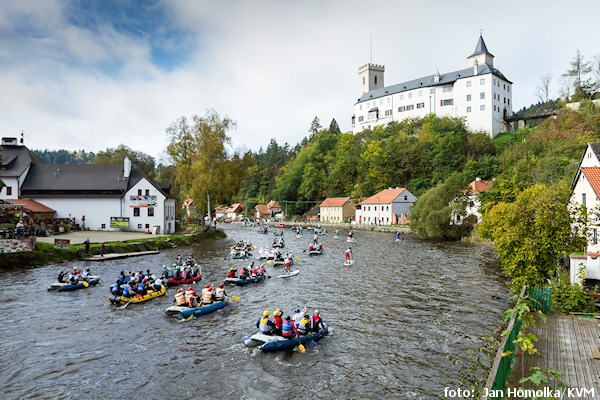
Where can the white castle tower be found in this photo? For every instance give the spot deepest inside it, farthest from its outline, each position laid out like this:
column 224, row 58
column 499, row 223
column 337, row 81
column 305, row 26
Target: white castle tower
column 370, row 77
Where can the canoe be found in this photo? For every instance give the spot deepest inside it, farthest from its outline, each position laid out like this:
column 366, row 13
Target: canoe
column 148, row 296
column 315, row 252
column 288, row 274
column 67, row 287
column 173, row 282
column 241, row 282
column 204, row 309
column 274, row 343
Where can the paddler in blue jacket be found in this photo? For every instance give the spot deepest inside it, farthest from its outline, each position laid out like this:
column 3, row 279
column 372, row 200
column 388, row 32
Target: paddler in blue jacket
column 265, row 325
column 127, row 291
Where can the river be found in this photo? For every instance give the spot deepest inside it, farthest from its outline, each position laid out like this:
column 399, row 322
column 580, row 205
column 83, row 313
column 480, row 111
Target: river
column 393, row 315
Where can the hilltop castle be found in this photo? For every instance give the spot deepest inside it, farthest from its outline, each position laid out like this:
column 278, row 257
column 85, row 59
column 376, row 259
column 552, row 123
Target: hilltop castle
column 480, row 93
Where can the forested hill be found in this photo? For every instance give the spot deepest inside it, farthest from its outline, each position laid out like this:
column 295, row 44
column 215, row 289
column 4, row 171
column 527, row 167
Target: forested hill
column 64, row 156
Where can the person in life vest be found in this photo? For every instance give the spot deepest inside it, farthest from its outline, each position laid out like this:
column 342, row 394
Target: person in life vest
column 231, row 273
column 350, row 234
column 157, row 284
column 180, row 298
column 304, row 325
column 207, row 295
column 61, row 276
column 316, row 322
column 141, row 289
column 193, row 301
column 179, row 261
column 311, row 247
column 320, row 248
column 315, row 239
column 274, row 242
column 165, row 273
column 116, row 288
column 288, row 329
column 195, row 270
column 243, row 273
column 220, row 292
column 188, row 293
column 261, row 270
column 298, row 315
column 128, row 291
column 287, row 264
column 278, row 322
column 337, row 233
column 265, row 325
column 348, row 253
column 254, row 272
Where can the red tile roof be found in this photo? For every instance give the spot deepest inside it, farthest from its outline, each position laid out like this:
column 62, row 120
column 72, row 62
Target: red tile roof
column 593, row 175
column 334, row 201
column 272, row 204
column 187, row 203
column 478, row 186
column 263, row 209
column 32, row 205
column 386, row 196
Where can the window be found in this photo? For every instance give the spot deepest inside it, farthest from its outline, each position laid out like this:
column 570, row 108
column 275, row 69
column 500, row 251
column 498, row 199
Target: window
column 139, row 226
column 375, row 79
column 420, row 93
column 136, row 212
column 361, row 118
column 508, row 88
column 9, row 190
column 375, row 208
column 469, row 109
column 583, row 199
column 494, row 96
column 482, row 81
column 594, row 236
column 432, row 91
column 494, row 107
column 139, row 192
column 363, row 80
column 468, row 83
column 494, row 81
column 498, row 83
column 508, row 101
column 151, row 211
column 381, row 102
column 103, row 226
column 468, row 97
column 410, row 95
column 505, row 100
column 447, row 102
column 389, row 99
column 147, row 226
column 401, row 109
column 482, row 95
column 482, row 107
column 360, row 106
column 147, row 192
column 411, row 107
column 405, row 198
column 447, row 88
column 420, row 105
column 401, row 97
column 504, row 84
column 388, row 113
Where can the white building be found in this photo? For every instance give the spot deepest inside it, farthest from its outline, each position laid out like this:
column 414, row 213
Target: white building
column 386, row 207
column 110, row 197
column 481, row 94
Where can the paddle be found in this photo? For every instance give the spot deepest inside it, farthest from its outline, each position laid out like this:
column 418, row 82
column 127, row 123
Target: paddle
column 301, row 348
column 297, row 258
column 85, row 284
column 122, row 307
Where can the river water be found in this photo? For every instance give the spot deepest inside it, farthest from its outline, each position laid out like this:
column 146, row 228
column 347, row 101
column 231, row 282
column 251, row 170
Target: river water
column 393, row 315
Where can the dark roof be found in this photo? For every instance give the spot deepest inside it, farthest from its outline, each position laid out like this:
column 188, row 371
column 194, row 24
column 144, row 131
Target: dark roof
column 481, row 48
column 82, row 180
column 16, row 159
column 596, row 147
column 314, row 211
column 428, row 81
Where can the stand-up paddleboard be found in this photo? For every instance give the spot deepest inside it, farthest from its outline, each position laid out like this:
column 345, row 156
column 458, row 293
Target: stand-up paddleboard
column 288, row 274
column 348, row 263
column 397, row 240
column 336, row 237
column 349, row 240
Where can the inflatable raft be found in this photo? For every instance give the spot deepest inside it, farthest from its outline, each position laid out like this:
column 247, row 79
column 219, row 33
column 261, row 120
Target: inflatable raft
column 275, row 343
column 241, row 282
column 148, row 296
column 67, row 287
column 315, row 252
column 204, row 309
column 174, row 282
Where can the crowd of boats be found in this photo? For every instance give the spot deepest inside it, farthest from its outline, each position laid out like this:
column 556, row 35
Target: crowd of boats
column 292, row 331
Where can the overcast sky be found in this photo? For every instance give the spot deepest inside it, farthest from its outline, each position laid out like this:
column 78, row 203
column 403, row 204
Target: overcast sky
column 95, row 74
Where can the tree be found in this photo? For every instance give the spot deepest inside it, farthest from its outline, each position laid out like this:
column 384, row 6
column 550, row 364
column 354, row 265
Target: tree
column 144, row 161
column 315, row 127
column 334, row 128
column 201, row 160
column 431, row 216
column 580, row 69
column 542, row 91
column 533, row 232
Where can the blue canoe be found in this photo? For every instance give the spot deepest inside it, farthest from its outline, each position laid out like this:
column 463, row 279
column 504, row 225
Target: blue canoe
column 276, row 343
column 67, row 288
column 204, row 309
column 242, row 282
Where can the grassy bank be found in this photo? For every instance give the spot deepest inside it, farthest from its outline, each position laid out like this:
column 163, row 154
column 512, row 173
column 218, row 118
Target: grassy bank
column 45, row 253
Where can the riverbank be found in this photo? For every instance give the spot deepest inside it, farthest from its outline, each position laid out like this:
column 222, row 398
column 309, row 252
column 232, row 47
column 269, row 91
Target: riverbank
column 45, row 253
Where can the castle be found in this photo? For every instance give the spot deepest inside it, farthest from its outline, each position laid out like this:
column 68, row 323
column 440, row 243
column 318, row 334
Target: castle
column 480, row 94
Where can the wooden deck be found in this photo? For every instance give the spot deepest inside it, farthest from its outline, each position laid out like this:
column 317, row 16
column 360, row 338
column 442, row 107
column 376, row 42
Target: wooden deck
column 113, row 256
column 565, row 343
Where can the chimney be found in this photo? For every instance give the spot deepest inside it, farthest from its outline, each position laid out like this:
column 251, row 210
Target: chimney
column 126, row 168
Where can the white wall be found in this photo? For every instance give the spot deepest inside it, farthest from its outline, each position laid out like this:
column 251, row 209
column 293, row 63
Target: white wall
column 143, row 222
column 589, row 265
column 96, row 211
column 583, row 186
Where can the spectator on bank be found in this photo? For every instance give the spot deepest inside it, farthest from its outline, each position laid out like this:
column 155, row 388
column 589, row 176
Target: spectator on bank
column 102, row 247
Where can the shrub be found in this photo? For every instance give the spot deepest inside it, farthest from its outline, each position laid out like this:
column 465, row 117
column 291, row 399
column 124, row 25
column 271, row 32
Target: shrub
column 40, row 232
column 567, row 297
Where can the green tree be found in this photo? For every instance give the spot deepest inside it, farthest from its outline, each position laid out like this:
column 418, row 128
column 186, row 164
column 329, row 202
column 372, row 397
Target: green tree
column 579, row 72
column 431, row 216
column 531, row 233
column 143, row 161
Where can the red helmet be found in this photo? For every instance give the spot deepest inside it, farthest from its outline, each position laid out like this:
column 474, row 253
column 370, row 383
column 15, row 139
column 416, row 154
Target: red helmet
column 144, row 280
column 180, row 291
column 207, row 286
column 221, row 285
column 193, row 292
column 190, row 288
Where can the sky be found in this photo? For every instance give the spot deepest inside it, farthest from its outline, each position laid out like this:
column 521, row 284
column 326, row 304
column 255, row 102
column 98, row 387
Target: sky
column 89, row 75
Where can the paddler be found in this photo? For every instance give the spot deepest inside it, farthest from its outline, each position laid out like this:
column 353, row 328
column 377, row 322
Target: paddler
column 265, row 325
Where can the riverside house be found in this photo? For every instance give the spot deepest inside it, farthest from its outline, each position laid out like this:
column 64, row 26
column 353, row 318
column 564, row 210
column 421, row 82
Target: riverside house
column 390, row 206
column 337, row 209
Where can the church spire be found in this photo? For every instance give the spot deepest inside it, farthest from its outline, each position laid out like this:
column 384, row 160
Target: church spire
column 481, row 48
column 481, row 54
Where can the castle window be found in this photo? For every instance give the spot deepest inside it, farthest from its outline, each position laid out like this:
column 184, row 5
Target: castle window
column 508, row 101
column 420, row 93
column 376, row 79
column 468, row 83
column 388, row 113
column 361, row 118
column 505, row 100
column 482, row 81
column 508, row 88
column 432, row 91
column 447, row 102
column 469, row 109
column 420, row 105
column 482, row 95
column 504, row 84
column 468, row 97
column 401, row 97
column 447, row 88
column 401, row 109
column 411, row 107
column 410, row 95
column 494, row 107
column 363, row 80
column 482, row 107
column 360, row 106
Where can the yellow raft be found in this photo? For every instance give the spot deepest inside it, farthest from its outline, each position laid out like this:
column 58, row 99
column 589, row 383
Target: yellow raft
column 138, row 299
